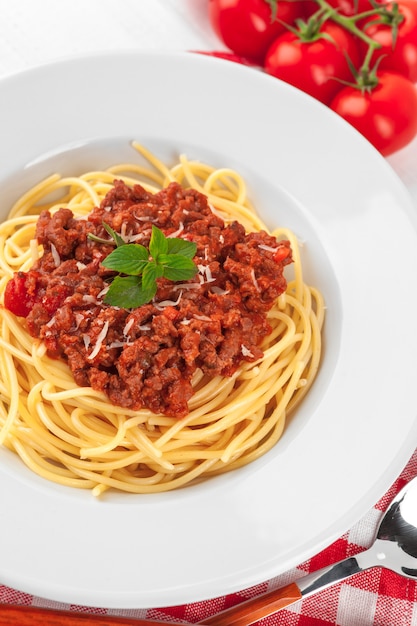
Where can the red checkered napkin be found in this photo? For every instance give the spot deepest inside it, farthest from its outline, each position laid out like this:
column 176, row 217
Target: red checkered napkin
column 374, row 598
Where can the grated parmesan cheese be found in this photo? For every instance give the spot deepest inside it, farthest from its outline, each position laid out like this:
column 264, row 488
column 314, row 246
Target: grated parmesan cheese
column 51, row 322
column 128, row 326
column 103, row 291
column 205, row 275
column 120, row 344
column 145, row 218
column 177, row 232
column 55, row 256
column 99, row 341
column 133, row 238
column 219, row 291
column 164, row 303
column 78, row 319
column 246, row 351
column 267, row 248
column 89, row 299
column 255, row 282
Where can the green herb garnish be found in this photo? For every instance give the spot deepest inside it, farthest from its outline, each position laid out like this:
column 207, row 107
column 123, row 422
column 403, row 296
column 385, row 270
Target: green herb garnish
column 139, row 268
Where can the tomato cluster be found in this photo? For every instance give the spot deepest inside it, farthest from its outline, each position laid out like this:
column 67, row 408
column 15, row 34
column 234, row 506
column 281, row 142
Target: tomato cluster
column 359, row 57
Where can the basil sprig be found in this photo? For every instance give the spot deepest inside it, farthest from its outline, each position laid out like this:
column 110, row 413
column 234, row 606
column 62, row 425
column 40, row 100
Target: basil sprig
column 139, row 268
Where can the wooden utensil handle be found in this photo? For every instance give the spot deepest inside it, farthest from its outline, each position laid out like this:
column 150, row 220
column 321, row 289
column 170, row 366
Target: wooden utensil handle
column 11, row 615
column 256, row 608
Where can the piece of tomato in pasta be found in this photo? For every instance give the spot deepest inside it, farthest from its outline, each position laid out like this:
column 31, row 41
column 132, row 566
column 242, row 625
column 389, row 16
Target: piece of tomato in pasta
column 19, row 295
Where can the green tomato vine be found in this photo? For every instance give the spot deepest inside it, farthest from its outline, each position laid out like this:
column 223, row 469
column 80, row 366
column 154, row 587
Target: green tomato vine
column 309, row 30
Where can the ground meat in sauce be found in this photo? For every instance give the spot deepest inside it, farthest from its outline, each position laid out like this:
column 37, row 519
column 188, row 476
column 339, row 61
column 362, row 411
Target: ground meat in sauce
column 146, row 357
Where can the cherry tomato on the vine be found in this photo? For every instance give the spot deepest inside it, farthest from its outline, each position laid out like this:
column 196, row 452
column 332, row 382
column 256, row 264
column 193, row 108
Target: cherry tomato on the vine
column 315, row 66
column 248, row 27
column 398, row 51
column 385, row 115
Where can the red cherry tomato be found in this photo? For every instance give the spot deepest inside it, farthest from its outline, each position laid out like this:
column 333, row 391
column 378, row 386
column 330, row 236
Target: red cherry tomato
column 316, row 66
column 399, row 55
column 247, row 27
column 386, row 115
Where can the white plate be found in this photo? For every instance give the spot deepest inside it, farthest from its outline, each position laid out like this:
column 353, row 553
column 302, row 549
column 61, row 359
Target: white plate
column 307, row 169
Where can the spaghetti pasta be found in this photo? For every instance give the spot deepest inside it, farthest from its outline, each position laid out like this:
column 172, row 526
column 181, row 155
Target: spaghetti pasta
column 74, row 436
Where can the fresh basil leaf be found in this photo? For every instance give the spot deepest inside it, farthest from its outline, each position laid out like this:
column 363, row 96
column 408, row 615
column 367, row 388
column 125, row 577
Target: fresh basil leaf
column 177, row 267
column 158, row 243
column 168, row 257
column 129, row 259
column 181, row 246
column 126, row 292
column 176, row 261
column 117, row 238
column 178, row 274
column 151, row 272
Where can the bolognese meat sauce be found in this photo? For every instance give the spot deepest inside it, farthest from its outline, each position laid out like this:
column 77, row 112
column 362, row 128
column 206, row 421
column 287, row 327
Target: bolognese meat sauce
column 146, row 357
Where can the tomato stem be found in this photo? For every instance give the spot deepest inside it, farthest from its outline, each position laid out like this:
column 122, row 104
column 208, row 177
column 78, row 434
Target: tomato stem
column 273, row 5
column 365, row 76
column 349, row 23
